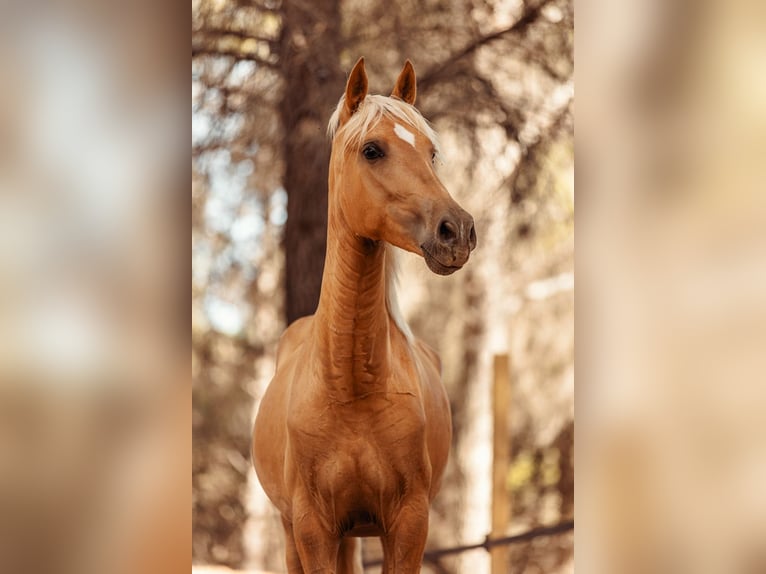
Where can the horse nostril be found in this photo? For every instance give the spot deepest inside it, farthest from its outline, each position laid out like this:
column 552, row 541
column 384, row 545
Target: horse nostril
column 448, row 231
column 472, row 237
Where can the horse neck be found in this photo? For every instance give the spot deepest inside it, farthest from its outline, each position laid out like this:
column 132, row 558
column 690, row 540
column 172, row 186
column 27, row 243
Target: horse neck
column 352, row 319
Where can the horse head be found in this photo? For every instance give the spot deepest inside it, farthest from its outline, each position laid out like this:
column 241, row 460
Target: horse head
column 383, row 179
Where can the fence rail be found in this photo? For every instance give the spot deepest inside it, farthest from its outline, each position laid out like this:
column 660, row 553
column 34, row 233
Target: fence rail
column 489, row 543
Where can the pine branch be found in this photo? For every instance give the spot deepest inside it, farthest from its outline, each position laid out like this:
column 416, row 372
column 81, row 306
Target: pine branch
column 518, row 27
column 198, row 51
column 241, row 35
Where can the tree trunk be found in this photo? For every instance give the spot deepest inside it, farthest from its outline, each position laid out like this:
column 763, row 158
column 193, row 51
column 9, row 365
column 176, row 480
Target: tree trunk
column 310, row 61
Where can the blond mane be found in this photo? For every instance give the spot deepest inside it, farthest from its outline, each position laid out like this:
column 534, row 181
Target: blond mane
column 392, row 301
column 370, row 111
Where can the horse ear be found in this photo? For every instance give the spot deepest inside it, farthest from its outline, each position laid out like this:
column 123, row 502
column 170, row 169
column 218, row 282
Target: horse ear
column 356, row 87
column 406, row 87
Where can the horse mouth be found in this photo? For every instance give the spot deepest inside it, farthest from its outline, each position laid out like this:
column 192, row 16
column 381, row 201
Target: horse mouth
column 436, row 266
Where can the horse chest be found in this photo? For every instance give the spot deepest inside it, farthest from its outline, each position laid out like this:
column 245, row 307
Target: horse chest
column 357, row 461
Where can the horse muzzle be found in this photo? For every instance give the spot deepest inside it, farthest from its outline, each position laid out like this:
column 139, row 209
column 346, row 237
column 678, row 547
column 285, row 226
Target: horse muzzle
column 451, row 244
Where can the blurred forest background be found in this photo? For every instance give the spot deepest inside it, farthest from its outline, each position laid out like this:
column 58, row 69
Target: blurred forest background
column 496, row 80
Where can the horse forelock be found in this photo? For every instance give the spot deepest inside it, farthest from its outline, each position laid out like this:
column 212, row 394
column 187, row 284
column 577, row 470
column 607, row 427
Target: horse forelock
column 370, row 111
column 392, row 300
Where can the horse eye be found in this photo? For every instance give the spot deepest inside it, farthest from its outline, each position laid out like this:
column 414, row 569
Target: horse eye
column 433, row 158
column 371, row 152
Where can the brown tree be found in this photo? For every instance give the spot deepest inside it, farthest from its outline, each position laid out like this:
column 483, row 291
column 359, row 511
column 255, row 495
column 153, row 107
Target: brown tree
column 309, row 57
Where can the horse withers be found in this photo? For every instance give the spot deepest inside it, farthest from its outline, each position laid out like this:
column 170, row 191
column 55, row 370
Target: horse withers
column 353, row 433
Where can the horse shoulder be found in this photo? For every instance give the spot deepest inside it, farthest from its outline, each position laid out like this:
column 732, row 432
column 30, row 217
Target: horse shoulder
column 269, row 431
column 293, row 338
column 437, row 410
column 429, row 368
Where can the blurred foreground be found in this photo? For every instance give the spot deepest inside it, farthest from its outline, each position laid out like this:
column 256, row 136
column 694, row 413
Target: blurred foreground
column 672, row 287
column 94, row 380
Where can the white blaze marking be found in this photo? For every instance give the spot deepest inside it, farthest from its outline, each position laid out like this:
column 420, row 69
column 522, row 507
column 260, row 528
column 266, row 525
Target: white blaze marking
column 405, row 134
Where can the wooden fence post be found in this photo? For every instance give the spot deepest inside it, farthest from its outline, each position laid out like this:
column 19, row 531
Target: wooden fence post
column 501, row 451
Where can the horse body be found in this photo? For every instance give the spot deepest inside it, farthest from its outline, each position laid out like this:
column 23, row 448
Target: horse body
column 355, row 457
column 353, row 433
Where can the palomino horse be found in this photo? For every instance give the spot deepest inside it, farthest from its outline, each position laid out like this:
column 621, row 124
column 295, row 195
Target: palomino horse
column 353, row 433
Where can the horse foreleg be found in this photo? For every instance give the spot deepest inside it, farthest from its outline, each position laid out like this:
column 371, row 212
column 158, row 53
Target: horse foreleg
column 291, row 551
column 405, row 541
column 350, row 556
column 316, row 546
